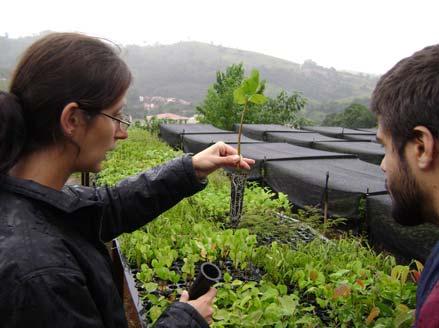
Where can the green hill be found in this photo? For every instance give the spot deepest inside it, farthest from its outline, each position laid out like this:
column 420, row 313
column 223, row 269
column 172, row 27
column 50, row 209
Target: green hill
column 186, row 69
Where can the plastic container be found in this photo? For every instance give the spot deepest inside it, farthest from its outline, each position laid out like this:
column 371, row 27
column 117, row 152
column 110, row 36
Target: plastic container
column 209, row 275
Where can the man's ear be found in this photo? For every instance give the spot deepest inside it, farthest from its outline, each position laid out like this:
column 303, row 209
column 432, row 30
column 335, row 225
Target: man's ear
column 70, row 119
column 424, row 147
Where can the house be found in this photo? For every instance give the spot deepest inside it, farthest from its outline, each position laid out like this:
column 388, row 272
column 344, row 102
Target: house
column 168, row 116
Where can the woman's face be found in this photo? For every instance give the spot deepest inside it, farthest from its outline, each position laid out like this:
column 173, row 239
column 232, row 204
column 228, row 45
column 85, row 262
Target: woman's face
column 100, row 136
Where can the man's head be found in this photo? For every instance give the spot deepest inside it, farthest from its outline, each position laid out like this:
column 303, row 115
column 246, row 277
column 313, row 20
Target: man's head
column 406, row 101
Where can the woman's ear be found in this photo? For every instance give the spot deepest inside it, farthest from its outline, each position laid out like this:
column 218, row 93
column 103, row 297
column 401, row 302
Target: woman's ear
column 70, row 119
column 425, row 145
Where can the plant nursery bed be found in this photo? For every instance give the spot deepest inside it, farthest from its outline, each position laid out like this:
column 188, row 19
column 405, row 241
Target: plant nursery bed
column 277, row 272
column 171, row 292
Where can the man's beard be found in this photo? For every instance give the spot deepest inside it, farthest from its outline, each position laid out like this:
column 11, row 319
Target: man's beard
column 408, row 204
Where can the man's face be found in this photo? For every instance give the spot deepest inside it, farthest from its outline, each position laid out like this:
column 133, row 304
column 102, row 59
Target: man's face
column 408, row 203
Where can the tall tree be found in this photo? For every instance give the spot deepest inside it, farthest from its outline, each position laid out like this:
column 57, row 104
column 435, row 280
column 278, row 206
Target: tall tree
column 280, row 110
column 220, row 110
column 354, row 116
column 218, row 107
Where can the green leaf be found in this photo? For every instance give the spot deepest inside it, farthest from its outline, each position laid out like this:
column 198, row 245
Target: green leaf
column 254, row 76
column 239, row 96
column 255, row 316
column 245, row 300
column 227, row 277
column 339, row 274
column 261, row 87
column 237, row 282
column 403, row 316
column 282, row 289
column 221, row 315
column 288, row 303
column 155, row 264
column 174, row 277
column 257, row 99
column 273, row 312
column 322, row 302
column 155, row 312
column 248, row 285
column 152, row 298
column 150, row 286
column 251, row 84
column 270, row 293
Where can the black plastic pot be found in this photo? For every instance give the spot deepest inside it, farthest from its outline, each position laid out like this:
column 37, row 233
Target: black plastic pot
column 238, row 180
column 209, row 275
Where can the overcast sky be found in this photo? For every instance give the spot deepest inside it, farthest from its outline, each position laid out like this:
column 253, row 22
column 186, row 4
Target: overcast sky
column 366, row 36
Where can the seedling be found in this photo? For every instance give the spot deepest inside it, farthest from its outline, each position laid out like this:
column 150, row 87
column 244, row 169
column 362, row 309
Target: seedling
column 249, row 92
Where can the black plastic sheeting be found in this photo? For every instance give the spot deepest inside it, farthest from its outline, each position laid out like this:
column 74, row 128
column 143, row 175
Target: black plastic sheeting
column 172, row 133
column 362, row 137
column 343, row 133
column 413, row 242
column 304, row 182
column 267, row 151
column 194, row 143
column 367, row 151
column 370, row 130
column 259, row 131
column 304, row 139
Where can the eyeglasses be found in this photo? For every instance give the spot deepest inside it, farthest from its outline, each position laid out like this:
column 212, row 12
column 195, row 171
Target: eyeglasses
column 124, row 120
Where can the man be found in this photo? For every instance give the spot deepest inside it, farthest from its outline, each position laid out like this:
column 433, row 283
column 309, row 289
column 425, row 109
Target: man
column 406, row 101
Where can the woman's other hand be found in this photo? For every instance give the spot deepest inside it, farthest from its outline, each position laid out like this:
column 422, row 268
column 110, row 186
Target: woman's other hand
column 202, row 304
column 217, row 156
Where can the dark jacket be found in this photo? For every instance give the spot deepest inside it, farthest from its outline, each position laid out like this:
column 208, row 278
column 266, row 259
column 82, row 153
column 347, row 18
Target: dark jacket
column 55, row 270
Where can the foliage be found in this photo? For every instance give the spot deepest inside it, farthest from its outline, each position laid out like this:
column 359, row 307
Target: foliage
column 250, row 91
column 281, row 110
column 222, row 109
column 313, row 217
column 138, row 154
column 218, row 107
column 341, row 283
column 344, row 279
column 153, row 124
column 354, row 116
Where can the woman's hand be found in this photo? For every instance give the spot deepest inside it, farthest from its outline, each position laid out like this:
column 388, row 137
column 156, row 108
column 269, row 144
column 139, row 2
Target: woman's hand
column 217, row 156
column 202, row 304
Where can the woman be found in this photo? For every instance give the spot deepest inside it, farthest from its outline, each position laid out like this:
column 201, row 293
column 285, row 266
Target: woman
column 63, row 113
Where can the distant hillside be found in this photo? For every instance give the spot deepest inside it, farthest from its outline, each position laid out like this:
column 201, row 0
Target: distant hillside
column 185, row 70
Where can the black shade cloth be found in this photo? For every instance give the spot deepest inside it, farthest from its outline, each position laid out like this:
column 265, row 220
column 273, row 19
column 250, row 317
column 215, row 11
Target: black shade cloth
column 259, row 131
column 413, row 242
column 370, row 130
column 172, row 133
column 367, row 151
column 335, row 130
column 267, row 151
column 361, row 137
column 304, row 182
column 194, row 143
column 344, row 133
column 304, row 139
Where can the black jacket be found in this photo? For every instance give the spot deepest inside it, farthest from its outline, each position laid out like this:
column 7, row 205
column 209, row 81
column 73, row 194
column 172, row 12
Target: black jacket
column 55, row 270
